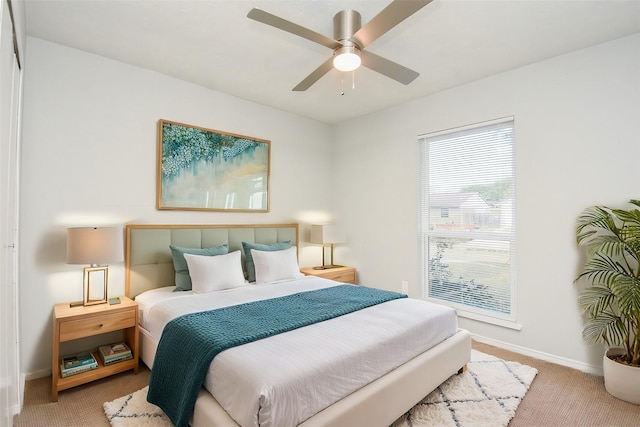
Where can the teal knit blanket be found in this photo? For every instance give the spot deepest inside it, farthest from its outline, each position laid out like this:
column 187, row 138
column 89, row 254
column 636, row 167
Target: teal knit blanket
column 190, row 342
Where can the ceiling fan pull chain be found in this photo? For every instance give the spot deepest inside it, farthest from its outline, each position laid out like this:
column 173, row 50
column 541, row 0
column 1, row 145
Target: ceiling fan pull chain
column 353, row 79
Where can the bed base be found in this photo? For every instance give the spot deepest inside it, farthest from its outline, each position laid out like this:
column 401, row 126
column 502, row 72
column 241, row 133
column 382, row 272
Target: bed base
column 379, row 403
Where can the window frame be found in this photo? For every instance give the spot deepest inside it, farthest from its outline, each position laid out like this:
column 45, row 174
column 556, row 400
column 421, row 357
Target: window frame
column 467, row 311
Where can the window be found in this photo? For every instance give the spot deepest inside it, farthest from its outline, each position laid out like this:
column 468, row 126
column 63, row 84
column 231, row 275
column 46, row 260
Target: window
column 468, row 255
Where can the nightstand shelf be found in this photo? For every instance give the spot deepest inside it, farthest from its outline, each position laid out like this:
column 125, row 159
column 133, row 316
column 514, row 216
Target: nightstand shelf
column 339, row 274
column 72, row 323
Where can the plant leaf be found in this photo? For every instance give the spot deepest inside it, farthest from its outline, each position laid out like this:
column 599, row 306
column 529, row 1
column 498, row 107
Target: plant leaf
column 605, row 327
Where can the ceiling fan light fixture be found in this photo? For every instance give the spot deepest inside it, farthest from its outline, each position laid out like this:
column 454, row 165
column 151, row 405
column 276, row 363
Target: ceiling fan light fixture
column 347, row 58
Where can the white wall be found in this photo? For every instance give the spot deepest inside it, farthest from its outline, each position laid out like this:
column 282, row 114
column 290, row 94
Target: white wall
column 577, row 139
column 89, row 158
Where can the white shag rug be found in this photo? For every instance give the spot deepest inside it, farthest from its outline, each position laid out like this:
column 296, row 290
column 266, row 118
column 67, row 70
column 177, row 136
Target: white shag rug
column 133, row 410
column 486, row 395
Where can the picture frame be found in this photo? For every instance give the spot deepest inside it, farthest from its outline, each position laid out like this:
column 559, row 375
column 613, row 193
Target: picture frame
column 210, row 170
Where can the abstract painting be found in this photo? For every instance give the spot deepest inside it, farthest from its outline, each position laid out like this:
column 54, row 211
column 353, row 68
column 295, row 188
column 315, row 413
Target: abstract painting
column 205, row 169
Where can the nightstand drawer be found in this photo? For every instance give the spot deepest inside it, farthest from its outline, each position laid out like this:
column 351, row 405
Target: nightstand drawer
column 339, row 274
column 86, row 327
column 345, row 276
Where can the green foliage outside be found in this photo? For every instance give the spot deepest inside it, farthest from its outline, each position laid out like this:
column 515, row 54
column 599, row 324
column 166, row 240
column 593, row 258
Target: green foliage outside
column 467, row 282
column 494, row 192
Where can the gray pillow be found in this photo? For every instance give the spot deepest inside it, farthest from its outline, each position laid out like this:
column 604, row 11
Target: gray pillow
column 183, row 280
column 248, row 258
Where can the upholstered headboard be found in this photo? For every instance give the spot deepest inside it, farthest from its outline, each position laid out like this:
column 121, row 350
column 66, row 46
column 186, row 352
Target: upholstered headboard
column 148, row 262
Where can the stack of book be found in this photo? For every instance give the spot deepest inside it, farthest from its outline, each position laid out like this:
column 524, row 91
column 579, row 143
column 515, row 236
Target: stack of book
column 77, row 363
column 114, row 353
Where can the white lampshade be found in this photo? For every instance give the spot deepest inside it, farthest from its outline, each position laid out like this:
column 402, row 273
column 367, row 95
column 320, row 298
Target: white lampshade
column 347, row 58
column 94, row 245
column 325, row 234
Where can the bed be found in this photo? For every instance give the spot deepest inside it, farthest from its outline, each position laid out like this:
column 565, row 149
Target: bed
column 376, row 402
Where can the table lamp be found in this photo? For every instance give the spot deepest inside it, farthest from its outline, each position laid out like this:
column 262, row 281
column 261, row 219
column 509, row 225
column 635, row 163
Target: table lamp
column 96, row 246
column 327, row 235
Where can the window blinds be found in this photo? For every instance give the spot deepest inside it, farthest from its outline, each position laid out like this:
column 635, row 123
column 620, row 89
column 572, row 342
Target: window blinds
column 467, row 211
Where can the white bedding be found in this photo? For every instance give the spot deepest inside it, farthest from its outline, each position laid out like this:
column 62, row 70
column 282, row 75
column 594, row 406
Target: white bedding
column 263, row 383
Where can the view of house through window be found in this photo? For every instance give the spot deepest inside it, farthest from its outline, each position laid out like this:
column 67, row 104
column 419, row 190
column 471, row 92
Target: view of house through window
column 467, row 217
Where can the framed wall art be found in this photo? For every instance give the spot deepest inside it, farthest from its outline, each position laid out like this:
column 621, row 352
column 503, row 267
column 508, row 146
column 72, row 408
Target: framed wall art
column 205, row 169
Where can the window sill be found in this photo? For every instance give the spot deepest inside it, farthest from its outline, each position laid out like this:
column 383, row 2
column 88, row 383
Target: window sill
column 473, row 315
column 505, row 323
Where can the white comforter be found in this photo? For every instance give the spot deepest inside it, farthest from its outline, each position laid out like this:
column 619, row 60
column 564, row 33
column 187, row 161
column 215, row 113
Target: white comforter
column 283, row 380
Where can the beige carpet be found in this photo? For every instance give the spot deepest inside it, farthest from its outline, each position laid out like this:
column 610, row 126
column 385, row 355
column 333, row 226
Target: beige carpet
column 558, row 396
column 565, row 397
column 79, row 406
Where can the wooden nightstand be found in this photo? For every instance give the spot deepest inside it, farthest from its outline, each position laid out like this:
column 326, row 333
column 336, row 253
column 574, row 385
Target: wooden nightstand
column 72, row 323
column 339, row 274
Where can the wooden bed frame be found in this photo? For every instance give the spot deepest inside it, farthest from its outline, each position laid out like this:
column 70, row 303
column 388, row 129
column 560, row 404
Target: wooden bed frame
column 148, row 265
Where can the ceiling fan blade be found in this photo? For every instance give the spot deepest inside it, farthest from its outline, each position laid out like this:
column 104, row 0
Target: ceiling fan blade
column 315, row 75
column 288, row 26
column 390, row 69
column 389, row 17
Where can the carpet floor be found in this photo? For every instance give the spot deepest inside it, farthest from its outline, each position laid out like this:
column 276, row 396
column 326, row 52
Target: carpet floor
column 559, row 396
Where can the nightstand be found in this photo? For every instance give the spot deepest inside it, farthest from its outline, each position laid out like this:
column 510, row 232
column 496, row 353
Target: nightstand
column 73, row 323
column 339, row 274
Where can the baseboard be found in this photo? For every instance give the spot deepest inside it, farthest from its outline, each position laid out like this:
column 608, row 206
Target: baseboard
column 37, row 374
column 23, row 382
column 15, row 410
column 547, row 357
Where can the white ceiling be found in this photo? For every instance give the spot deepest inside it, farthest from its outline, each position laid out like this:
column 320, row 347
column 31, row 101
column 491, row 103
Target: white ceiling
column 213, row 43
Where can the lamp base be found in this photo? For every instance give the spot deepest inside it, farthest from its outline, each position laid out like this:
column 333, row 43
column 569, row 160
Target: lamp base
column 96, row 280
column 327, row 267
column 88, row 303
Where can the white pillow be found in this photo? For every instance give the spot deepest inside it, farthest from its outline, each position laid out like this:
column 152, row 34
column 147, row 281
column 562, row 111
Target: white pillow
column 276, row 265
column 215, row 273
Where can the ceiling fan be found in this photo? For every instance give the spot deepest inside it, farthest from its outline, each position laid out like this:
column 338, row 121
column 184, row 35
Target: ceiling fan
column 350, row 40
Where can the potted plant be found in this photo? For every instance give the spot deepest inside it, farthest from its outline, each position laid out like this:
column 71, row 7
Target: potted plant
column 610, row 297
